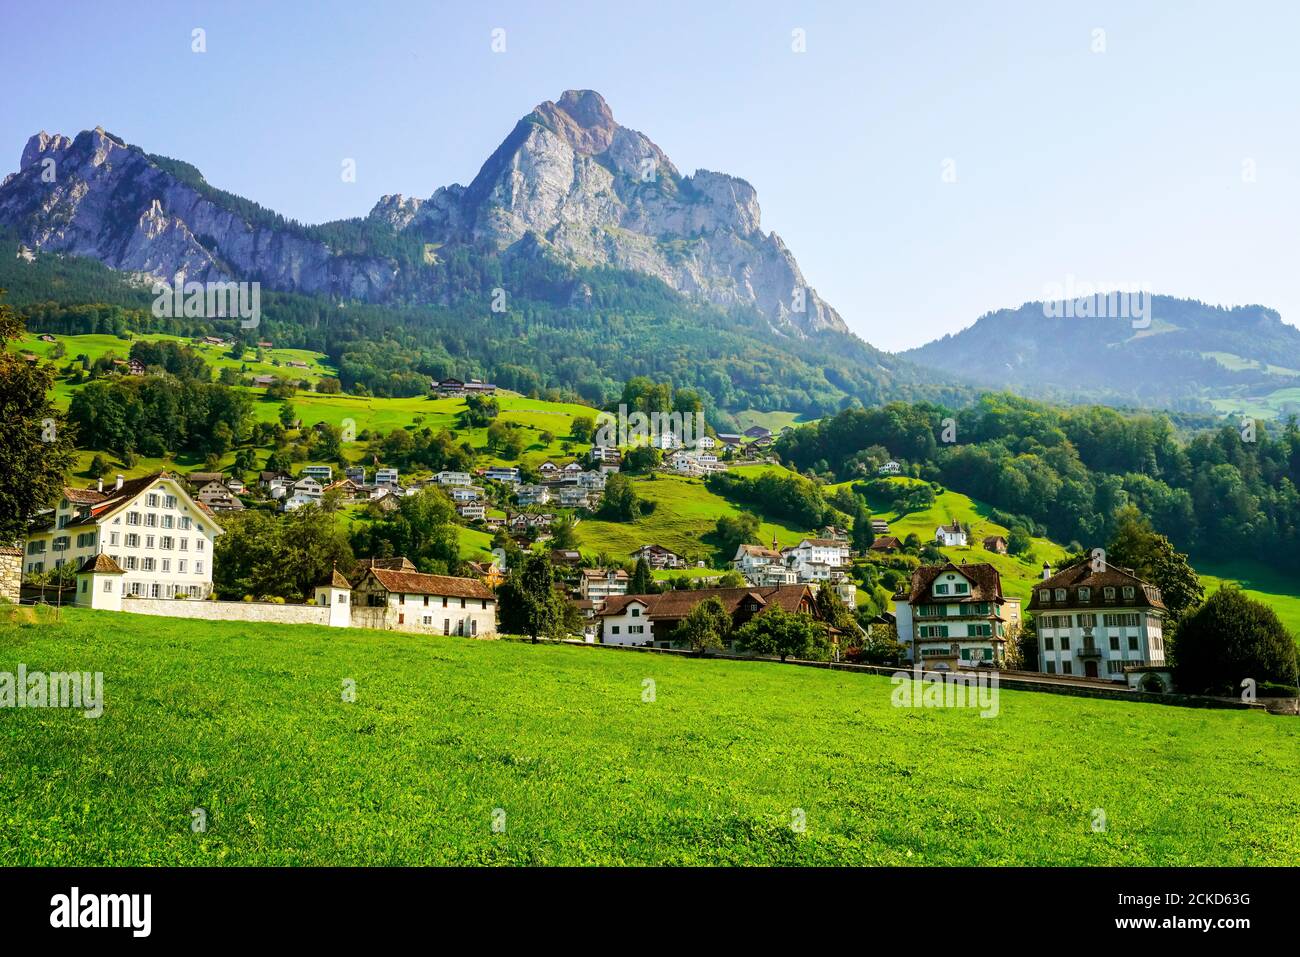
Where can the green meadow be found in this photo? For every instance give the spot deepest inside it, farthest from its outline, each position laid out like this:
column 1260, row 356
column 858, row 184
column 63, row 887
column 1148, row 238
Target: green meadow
column 565, row 750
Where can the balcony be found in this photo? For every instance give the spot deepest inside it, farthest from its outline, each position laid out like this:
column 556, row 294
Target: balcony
column 1088, row 649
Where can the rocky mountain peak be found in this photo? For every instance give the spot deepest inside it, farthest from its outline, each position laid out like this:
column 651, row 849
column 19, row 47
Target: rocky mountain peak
column 583, row 118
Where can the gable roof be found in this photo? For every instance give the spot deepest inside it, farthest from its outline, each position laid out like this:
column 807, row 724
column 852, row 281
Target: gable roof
column 986, row 582
column 115, row 499
column 418, row 583
column 677, row 604
column 1082, row 575
column 335, row 580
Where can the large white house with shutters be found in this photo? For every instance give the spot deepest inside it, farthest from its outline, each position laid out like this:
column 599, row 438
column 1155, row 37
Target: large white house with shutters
column 157, row 534
column 1097, row 620
column 956, row 616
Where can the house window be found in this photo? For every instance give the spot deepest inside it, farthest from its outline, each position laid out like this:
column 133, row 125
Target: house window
column 180, row 566
column 636, row 612
column 614, row 630
column 1051, row 667
column 1049, row 643
column 1114, row 642
column 198, row 568
column 1065, row 642
column 427, row 620
column 1128, row 592
column 151, row 501
column 108, row 586
column 1085, row 595
column 941, row 589
column 1109, row 593
column 1060, row 594
column 151, row 520
column 462, row 603
column 1067, row 668
column 1044, row 594
column 473, row 626
column 961, row 588
column 1132, row 642
column 446, row 626
column 444, row 601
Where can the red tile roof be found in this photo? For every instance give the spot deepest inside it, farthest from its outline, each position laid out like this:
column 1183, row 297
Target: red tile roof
column 986, row 583
column 677, row 604
column 1083, row 575
column 418, row 583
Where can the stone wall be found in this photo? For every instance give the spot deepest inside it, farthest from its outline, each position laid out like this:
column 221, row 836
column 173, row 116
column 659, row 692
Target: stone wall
column 230, row 610
column 11, row 573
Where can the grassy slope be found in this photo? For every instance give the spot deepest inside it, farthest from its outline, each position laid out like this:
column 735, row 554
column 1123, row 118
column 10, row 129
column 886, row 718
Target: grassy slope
column 247, row 722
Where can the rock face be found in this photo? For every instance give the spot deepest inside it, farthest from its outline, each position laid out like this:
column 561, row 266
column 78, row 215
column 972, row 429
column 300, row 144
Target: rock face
column 568, row 181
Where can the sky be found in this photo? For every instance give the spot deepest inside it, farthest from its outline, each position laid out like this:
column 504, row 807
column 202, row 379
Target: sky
column 925, row 162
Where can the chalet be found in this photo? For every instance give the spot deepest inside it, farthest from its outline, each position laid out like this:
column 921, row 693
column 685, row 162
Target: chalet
column 651, row 619
column 264, row 381
column 135, row 367
column 706, row 443
column 151, row 527
column 566, row 557
column 350, row 490
column 758, row 432
column 886, row 543
column 956, row 616
column 600, row 584
column 429, row 604
column 835, row 533
column 573, row 496
column 356, row 473
column 46, row 337
column 572, row 469
column 218, row 498
column 995, row 543
column 199, row 479
column 951, row 535
column 270, row 480
column 592, row 481
column 296, row 364
column 548, row 468
column 471, row 511
column 465, row 493
column 1098, row 620
column 730, row 439
column 879, row 526
column 532, row 495
column 658, row 557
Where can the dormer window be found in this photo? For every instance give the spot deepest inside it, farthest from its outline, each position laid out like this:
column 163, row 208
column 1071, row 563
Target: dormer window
column 1044, row 594
column 1109, row 593
column 1085, row 595
column 941, row 589
column 961, row 588
column 1128, row 592
column 1060, row 594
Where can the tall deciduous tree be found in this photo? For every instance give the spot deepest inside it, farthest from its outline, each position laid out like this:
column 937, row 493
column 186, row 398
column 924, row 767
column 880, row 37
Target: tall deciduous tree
column 35, row 447
column 706, row 626
column 1229, row 639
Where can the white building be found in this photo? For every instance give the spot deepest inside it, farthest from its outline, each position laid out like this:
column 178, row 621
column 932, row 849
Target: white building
column 811, row 553
column 387, row 477
column 533, row 495
column 471, row 511
column 597, row 584
column 321, row 473
column 1097, row 620
column 955, row 616
column 454, row 478
column 158, row 536
column 432, row 604
column 953, row 535
column 502, row 473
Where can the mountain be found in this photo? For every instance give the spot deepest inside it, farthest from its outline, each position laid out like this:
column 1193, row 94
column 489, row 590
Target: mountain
column 1189, row 356
column 568, row 184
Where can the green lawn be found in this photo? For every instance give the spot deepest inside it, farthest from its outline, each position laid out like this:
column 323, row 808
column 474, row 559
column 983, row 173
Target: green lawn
column 248, row 723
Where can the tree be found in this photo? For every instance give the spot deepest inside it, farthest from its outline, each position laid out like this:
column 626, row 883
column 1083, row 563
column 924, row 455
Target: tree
column 564, row 532
column 35, row 444
column 1152, row 557
column 732, row 531
column 422, row 528
column 287, row 415
column 861, row 536
column 281, row 556
column 731, row 579
column 620, row 502
column 584, row 426
column 778, row 632
column 882, row 646
column 642, row 582
column 530, row 605
column 1230, row 638
column 643, row 458
column 707, row 625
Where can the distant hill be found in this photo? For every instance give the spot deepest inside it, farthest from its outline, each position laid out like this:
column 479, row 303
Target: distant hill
column 1191, row 356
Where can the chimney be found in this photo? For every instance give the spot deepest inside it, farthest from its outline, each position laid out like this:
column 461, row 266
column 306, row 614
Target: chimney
column 1047, row 571
column 99, row 484
column 120, row 480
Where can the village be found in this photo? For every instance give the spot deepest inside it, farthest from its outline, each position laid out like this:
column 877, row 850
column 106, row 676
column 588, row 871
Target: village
column 146, row 545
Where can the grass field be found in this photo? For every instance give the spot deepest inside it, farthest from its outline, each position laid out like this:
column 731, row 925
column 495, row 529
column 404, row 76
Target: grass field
column 248, row 723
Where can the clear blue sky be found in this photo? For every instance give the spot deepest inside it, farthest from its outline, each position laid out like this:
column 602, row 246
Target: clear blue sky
column 1124, row 165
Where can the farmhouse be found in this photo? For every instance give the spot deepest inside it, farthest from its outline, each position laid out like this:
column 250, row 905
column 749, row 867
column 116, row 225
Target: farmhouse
column 956, row 616
column 651, row 619
column 1098, row 620
column 154, row 531
column 432, row 604
column 658, row 557
column 995, row 543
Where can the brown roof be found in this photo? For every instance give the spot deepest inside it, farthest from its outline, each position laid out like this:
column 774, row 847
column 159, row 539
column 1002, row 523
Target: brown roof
column 602, row 573
column 397, row 564
column 886, row 541
column 115, row 498
column 986, row 583
column 1082, row 575
column 83, row 496
column 101, row 563
column 418, row 583
column 335, row 580
column 10, row 550
column 824, row 542
column 202, row 478
column 677, row 604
